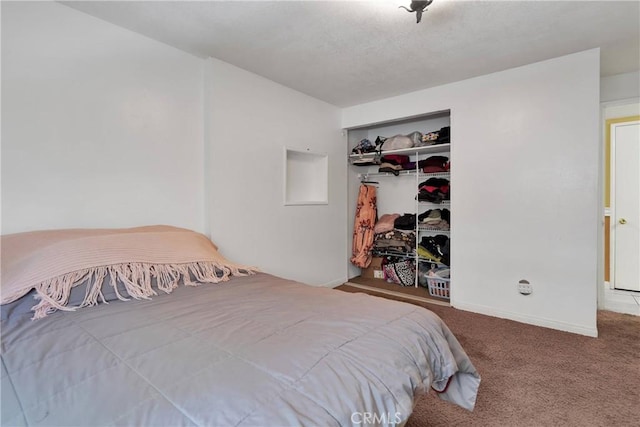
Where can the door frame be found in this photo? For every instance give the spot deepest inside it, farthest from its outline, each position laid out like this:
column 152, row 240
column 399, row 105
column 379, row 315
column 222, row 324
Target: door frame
column 610, row 299
column 610, row 168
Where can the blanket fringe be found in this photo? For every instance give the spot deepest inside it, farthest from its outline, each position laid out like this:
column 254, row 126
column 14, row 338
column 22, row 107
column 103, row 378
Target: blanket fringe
column 137, row 279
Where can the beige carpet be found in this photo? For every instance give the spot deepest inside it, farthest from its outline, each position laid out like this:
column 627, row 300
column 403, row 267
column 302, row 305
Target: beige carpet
column 534, row 376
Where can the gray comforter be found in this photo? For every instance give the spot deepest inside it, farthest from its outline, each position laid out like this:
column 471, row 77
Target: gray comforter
column 255, row 351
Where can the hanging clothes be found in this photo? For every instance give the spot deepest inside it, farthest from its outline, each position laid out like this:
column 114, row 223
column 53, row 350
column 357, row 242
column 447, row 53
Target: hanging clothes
column 366, row 213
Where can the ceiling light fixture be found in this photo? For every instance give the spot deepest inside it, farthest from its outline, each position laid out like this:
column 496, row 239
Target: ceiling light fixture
column 418, row 7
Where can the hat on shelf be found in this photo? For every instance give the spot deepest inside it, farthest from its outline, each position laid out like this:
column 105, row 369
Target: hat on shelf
column 434, row 216
column 397, row 142
column 388, row 167
column 416, row 137
column 364, row 161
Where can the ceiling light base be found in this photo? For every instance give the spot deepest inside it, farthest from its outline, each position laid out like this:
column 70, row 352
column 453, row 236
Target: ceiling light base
column 418, row 7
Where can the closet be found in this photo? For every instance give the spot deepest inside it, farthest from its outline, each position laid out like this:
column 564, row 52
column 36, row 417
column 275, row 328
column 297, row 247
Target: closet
column 397, row 193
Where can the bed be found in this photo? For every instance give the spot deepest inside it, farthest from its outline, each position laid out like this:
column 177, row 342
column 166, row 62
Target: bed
column 253, row 350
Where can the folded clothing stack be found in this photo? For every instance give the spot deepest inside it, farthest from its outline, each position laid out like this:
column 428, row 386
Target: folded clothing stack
column 405, row 222
column 434, row 248
column 394, row 241
column 434, row 164
column 389, row 222
column 364, row 146
column 434, row 190
column 386, row 223
column 366, row 161
column 394, row 163
column 395, row 233
column 444, row 135
column 436, row 218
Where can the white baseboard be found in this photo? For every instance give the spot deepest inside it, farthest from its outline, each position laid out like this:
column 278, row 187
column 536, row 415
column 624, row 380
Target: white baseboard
column 626, row 308
column 531, row 320
column 334, row 283
column 622, row 301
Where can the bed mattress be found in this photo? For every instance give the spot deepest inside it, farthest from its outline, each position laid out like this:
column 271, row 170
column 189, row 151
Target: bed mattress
column 254, row 351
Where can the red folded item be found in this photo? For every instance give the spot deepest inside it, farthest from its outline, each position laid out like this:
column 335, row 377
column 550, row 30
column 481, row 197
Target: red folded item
column 396, row 159
column 431, row 189
column 433, row 169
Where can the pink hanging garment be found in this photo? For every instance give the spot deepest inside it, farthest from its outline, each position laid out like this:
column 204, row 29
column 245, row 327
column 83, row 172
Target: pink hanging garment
column 363, row 227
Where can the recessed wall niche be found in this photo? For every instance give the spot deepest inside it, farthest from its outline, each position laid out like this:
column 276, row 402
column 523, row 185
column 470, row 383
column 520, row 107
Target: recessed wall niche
column 306, row 178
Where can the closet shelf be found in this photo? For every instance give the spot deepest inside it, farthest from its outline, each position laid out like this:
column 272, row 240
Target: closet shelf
column 434, row 175
column 442, row 203
column 421, row 175
column 398, row 255
column 379, row 174
column 408, row 256
column 430, row 261
column 427, row 149
column 437, row 230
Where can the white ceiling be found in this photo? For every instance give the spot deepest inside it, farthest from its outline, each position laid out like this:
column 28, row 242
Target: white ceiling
column 349, row 52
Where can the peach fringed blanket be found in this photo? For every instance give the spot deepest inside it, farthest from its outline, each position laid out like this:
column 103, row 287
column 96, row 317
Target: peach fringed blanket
column 52, row 262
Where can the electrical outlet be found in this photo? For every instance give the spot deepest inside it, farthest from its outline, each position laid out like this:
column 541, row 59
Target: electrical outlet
column 524, row 287
column 378, row 274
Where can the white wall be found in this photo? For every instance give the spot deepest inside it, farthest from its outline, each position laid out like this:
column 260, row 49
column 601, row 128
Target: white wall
column 525, row 204
column 620, row 86
column 101, row 127
column 249, row 122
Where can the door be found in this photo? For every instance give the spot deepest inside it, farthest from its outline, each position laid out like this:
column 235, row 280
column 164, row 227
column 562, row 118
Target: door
column 625, row 147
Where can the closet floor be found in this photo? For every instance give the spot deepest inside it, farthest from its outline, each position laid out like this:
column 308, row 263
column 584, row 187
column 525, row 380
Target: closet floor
column 409, row 292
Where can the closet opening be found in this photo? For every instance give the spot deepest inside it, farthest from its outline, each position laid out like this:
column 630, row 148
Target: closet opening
column 400, row 214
